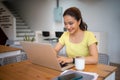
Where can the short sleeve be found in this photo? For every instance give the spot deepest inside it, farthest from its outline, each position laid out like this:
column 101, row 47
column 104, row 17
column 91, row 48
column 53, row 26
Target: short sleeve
column 62, row 39
column 91, row 39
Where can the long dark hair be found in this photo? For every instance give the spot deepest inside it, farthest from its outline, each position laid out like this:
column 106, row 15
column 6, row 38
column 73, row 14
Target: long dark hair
column 75, row 12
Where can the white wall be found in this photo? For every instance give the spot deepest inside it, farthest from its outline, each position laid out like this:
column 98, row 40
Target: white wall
column 100, row 15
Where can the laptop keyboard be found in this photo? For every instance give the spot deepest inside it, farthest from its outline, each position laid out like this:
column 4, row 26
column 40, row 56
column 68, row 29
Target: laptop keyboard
column 63, row 65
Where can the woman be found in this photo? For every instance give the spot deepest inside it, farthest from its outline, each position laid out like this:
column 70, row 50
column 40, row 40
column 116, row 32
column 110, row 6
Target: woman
column 78, row 41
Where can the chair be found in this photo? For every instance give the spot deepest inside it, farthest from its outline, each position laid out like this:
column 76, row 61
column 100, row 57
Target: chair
column 58, row 34
column 13, row 59
column 9, row 42
column 1, row 61
column 103, row 58
column 9, row 59
column 45, row 33
column 23, row 56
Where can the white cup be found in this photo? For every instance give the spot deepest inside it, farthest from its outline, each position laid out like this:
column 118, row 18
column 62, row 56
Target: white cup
column 80, row 63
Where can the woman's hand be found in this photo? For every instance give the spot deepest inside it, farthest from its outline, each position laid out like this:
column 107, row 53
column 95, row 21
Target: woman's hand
column 64, row 60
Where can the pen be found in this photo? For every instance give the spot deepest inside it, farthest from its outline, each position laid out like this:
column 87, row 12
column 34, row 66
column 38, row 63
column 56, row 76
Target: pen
column 77, row 78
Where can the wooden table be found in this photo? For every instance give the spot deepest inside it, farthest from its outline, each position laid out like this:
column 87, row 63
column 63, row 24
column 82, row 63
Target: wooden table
column 4, row 49
column 27, row 71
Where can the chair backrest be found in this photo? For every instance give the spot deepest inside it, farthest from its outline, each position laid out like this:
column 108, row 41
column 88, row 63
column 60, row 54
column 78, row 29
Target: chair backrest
column 58, row 34
column 45, row 33
column 103, row 58
column 9, row 42
column 9, row 59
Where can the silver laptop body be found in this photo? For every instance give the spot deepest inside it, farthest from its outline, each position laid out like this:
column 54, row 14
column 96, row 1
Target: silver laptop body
column 43, row 54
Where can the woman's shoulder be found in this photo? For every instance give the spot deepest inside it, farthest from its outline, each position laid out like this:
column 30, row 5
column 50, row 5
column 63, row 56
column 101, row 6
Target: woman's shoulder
column 89, row 33
column 66, row 33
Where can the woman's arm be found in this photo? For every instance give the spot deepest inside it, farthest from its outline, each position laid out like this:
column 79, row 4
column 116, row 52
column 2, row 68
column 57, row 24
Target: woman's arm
column 93, row 57
column 58, row 47
column 62, row 59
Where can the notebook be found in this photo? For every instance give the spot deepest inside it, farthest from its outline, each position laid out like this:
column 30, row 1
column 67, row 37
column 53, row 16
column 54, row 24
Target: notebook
column 43, row 54
column 76, row 75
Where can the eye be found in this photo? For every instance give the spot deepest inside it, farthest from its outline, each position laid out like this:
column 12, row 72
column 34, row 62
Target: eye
column 70, row 23
column 65, row 23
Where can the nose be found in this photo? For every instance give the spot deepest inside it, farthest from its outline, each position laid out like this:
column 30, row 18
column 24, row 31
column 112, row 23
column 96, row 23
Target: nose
column 67, row 27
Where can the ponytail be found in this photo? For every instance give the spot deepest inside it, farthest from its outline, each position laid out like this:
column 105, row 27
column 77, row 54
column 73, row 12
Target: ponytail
column 83, row 26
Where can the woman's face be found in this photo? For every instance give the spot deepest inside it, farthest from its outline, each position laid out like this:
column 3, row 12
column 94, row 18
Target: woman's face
column 71, row 24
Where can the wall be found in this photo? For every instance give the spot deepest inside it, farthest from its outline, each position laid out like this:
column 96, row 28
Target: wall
column 101, row 16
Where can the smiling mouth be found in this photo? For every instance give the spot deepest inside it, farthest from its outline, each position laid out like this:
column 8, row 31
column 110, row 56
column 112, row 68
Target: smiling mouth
column 69, row 30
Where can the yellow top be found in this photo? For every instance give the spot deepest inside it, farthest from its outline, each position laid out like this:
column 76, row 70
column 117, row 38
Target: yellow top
column 79, row 49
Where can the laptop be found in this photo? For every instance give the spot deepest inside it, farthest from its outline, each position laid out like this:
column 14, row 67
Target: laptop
column 43, row 54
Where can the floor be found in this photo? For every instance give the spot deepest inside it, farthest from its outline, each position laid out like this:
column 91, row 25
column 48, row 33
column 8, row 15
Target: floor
column 118, row 70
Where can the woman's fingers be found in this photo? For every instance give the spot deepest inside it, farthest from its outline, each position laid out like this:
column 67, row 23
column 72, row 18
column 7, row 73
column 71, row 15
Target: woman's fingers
column 62, row 60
